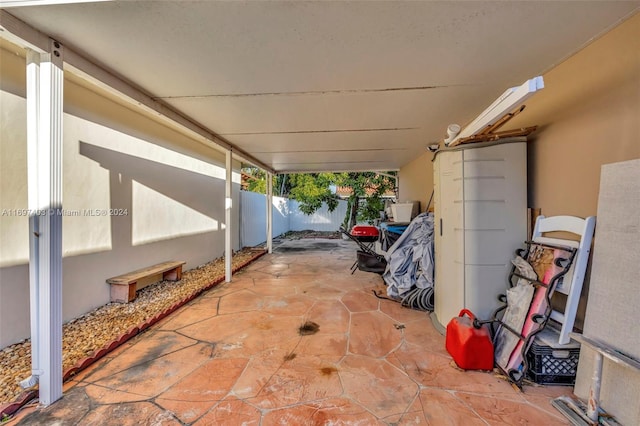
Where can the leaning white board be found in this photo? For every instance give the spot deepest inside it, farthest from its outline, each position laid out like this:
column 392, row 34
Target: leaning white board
column 612, row 308
column 505, row 103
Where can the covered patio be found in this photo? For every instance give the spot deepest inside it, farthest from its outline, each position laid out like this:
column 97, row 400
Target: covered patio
column 237, row 355
column 151, row 108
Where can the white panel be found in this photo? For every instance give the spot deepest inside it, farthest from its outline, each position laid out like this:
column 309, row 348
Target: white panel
column 253, row 217
column 491, row 189
column 495, row 201
column 487, row 247
column 485, row 216
column 449, row 249
column 286, row 217
column 449, row 292
column 322, row 220
column 483, row 191
column 483, row 284
column 280, row 209
column 495, row 220
column 478, row 165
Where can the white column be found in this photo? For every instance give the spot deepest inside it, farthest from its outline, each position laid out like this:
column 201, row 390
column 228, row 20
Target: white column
column 33, row 102
column 269, row 212
column 44, row 149
column 228, row 239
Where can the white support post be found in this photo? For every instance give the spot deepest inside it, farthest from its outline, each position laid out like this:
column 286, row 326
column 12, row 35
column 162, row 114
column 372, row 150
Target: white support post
column 269, row 212
column 44, row 149
column 33, row 102
column 228, row 204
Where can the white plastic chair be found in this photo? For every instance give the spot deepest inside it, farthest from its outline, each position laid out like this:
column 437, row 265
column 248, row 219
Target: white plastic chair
column 572, row 282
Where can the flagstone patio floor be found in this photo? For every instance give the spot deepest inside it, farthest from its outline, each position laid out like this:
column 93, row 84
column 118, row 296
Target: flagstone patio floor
column 236, row 356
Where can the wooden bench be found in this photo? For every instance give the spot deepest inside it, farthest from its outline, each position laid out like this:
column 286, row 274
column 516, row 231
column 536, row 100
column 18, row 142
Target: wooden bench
column 123, row 287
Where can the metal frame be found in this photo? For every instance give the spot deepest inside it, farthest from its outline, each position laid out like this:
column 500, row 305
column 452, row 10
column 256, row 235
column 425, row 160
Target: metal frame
column 517, row 376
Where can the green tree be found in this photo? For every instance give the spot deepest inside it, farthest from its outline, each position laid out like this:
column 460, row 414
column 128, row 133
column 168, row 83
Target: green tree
column 256, row 181
column 311, row 190
column 365, row 201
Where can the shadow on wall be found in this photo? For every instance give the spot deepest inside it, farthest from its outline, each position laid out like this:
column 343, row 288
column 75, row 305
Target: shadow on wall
column 282, row 211
column 168, row 213
column 154, row 201
column 253, row 217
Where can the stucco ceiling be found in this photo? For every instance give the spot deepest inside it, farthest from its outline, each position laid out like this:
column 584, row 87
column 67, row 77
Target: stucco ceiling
column 327, row 85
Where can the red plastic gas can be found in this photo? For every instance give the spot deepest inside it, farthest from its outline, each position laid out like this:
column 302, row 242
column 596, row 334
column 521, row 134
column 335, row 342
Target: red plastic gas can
column 470, row 347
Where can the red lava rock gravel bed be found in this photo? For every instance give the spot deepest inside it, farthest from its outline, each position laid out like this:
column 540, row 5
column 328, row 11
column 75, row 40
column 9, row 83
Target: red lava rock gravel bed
column 91, row 336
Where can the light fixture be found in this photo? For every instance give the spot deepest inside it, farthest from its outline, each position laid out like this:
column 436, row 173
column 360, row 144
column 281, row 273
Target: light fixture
column 452, row 132
column 433, row 147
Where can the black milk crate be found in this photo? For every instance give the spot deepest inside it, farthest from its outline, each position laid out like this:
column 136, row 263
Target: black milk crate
column 553, row 364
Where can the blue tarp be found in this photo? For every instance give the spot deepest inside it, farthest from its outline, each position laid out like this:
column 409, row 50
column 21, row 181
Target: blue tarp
column 397, row 229
column 410, row 259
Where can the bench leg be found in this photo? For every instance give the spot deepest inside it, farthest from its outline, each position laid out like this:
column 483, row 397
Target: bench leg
column 123, row 293
column 132, row 292
column 173, row 274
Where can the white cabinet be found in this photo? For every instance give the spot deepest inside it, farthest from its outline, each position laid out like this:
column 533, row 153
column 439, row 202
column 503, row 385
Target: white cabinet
column 480, row 220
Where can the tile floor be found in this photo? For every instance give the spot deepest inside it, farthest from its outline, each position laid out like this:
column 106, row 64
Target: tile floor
column 235, row 356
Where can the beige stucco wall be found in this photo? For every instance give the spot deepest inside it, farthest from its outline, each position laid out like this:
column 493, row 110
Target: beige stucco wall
column 416, row 181
column 169, row 187
column 589, row 115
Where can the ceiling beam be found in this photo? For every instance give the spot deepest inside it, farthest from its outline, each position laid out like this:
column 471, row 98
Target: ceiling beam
column 24, row 35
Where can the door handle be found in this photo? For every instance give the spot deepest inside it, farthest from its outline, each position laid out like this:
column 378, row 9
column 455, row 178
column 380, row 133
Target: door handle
column 441, row 227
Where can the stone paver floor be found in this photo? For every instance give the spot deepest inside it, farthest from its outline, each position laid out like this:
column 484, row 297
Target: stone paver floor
column 235, row 356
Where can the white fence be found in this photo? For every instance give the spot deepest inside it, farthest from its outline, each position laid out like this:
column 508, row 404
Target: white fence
column 286, row 217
